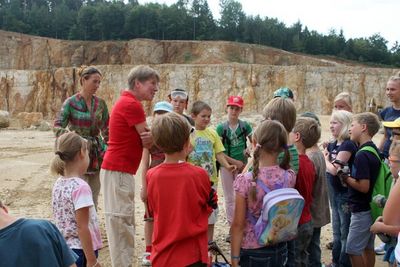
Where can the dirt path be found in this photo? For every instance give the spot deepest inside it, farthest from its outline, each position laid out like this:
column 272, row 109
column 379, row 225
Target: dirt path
column 25, row 186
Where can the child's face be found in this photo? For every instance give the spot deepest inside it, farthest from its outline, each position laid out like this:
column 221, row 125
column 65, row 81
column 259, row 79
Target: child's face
column 179, row 104
column 394, row 163
column 393, row 91
column 335, row 127
column 342, row 105
column 356, row 130
column 233, row 112
column 395, row 134
column 202, row 119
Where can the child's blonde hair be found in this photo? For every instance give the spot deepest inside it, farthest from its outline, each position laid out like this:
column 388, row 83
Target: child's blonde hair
column 395, row 148
column 371, row 121
column 170, row 132
column 199, row 106
column 283, row 110
column 67, row 146
column 271, row 137
column 344, row 117
column 345, row 96
column 309, row 130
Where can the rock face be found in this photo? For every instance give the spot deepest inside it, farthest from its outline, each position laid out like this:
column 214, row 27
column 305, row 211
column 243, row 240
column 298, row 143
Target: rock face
column 29, row 119
column 38, row 74
column 4, row 119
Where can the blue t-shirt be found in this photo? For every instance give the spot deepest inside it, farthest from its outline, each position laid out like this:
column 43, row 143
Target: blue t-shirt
column 388, row 114
column 28, row 242
column 366, row 166
column 334, row 149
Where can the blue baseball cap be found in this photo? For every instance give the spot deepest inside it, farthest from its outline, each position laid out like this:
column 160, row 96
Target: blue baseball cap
column 284, row 92
column 163, row 106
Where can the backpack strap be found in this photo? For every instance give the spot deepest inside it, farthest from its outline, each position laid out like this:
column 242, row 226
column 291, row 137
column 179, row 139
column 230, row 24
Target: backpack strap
column 372, row 150
column 225, row 139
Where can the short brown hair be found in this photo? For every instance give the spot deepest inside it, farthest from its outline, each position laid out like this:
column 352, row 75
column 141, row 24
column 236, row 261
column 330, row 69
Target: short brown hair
column 309, row 130
column 371, row 121
column 283, row 110
column 141, row 73
column 198, row 106
column 170, row 132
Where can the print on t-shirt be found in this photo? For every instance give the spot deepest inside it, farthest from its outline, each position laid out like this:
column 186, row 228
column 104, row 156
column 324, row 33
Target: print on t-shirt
column 202, row 155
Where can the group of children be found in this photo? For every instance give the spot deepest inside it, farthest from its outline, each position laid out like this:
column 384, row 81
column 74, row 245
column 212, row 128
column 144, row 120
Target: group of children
column 180, row 179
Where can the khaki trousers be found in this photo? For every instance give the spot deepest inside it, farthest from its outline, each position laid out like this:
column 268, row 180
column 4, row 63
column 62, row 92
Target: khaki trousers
column 118, row 190
column 94, row 182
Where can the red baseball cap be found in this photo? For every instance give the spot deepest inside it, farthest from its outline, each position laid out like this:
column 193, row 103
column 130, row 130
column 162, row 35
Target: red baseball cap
column 235, row 101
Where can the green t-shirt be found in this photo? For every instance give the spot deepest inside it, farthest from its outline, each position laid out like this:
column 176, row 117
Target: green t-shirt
column 236, row 143
column 206, row 144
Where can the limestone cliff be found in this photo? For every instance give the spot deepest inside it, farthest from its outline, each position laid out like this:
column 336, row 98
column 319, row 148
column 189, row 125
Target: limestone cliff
column 37, row 74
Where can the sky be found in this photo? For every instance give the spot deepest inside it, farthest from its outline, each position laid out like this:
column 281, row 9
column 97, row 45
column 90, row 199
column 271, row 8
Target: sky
column 357, row 18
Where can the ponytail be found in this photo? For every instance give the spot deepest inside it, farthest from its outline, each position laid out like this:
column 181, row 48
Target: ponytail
column 256, row 162
column 285, row 163
column 57, row 165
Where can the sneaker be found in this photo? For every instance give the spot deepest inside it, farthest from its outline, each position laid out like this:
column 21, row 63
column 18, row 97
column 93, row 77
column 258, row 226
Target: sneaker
column 146, row 259
column 380, row 250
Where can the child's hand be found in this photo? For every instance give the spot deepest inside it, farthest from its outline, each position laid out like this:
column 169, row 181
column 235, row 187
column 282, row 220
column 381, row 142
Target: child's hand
column 239, row 165
column 213, row 199
column 378, row 226
column 93, row 264
column 232, row 168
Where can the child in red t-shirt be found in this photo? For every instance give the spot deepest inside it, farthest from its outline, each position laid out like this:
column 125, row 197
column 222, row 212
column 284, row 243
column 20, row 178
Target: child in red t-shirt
column 180, row 197
column 306, row 132
column 151, row 158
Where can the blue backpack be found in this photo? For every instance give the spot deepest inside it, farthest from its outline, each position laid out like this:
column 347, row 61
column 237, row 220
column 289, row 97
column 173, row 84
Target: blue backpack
column 280, row 214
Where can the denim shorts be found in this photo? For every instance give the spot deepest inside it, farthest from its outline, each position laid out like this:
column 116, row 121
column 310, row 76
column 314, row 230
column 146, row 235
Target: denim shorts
column 270, row 256
column 81, row 261
column 360, row 237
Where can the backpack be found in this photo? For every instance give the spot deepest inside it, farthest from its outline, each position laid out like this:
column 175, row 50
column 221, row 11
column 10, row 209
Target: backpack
column 227, row 142
column 280, row 214
column 225, row 138
column 382, row 185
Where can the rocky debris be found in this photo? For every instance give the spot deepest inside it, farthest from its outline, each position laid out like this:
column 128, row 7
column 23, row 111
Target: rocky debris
column 4, row 119
column 44, row 126
column 30, row 119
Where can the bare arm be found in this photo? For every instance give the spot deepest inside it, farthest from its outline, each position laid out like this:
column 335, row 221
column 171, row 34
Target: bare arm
column 382, row 142
column 333, row 168
column 361, row 185
column 144, row 166
column 82, row 220
column 145, row 134
column 222, row 160
column 391, row 212
column 380, row 227
column 238, row 225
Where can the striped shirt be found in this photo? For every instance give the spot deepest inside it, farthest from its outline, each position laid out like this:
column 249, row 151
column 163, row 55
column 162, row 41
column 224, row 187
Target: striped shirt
column 91, row 124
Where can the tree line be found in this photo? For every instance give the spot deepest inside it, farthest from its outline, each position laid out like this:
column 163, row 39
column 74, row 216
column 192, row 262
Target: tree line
column 184, row 20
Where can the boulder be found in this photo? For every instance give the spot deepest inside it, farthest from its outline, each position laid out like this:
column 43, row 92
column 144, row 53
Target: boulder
column 4, row 119
column 44, row 126
column 29, row 119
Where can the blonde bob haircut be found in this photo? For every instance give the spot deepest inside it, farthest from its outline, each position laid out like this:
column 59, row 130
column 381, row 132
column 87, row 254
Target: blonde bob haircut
column 343, row 117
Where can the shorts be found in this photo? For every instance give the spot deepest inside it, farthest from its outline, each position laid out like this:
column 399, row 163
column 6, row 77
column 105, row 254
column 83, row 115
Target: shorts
column 360, row 238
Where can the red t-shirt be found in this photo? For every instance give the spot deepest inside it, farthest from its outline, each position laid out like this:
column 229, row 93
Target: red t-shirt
column 304, row 184
column 177, row 195
column 125, row 148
